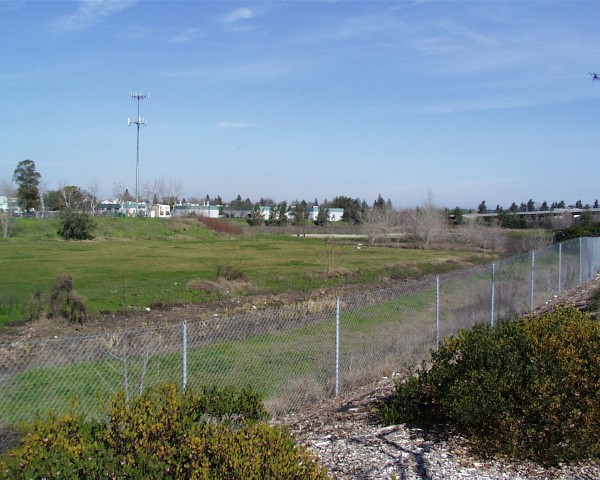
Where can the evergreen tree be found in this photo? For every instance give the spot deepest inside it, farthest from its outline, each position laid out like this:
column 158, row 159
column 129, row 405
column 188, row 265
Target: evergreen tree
column 323, row 216
column 28, row 180
column 256, row 219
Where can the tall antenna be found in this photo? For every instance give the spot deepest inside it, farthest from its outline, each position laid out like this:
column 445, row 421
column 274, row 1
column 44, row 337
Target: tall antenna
column 138, row 122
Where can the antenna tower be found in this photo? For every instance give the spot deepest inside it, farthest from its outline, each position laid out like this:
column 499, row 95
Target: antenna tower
column 138, row 122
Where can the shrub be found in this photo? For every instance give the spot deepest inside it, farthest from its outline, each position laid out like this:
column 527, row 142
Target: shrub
column 220, row 226
column 66, row 302
column 526, row 388
column 229, row 272
column 163, row 434
column 76, row 226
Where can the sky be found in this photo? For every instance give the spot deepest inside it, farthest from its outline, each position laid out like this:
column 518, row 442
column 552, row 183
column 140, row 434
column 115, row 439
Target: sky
column 463, row 101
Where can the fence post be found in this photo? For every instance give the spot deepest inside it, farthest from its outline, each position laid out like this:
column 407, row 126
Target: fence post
column 184, row 347
column 560, row 267
column 337, row 346
column 532, row 280
column 580, row 260
column 437, row 312
column 493, row 292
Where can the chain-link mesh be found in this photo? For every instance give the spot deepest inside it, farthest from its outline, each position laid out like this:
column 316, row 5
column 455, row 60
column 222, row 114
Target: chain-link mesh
column 295, row 355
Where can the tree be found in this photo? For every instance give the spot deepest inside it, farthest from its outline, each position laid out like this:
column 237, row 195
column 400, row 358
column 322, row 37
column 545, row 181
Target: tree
column 299, row 212
column 352, row 207
column 53, row 200
column 28, row 180
column 379, row 203
column 457, row 215
column 531, row 205
column 544, row 206
column 482, row 208
column 256, row 218
column 428, row 222
column 282, row 218
column 323, row 216
column 72, row 196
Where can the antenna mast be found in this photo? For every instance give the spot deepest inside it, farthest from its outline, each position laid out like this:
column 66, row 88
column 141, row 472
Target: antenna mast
column 138, row 122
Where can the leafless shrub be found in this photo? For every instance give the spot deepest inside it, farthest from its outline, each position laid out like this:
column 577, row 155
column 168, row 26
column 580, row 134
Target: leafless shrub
column 66, row 303
column 479, row 235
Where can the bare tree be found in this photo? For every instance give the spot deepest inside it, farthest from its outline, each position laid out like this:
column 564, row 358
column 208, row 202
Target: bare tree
column 428, row 222
column 169, row 191
column 377, row 221
column 7, row 221
column 91, row 196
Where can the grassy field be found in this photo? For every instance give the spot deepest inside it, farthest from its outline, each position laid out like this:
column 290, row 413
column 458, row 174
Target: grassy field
column 134, row 263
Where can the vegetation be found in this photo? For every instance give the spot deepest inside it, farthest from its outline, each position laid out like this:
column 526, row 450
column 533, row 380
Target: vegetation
column 133, row 263
column 163, row 434
column 28, row 180
column 526, row 388
column 76, row 225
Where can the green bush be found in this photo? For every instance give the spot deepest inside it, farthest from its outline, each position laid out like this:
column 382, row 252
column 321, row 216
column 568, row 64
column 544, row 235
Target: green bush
column 76, row 226
column 526, row 388
column 163, row 434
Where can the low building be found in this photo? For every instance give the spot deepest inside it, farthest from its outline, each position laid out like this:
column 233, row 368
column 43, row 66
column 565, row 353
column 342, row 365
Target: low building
column 127, row 209
column 160, row 211
column 192, row 209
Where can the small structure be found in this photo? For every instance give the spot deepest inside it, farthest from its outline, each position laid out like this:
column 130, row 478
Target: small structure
column 193, row 209
column 160, row 211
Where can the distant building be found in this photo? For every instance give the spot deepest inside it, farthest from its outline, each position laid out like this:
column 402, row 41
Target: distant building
column 10, row 205
column 193, row 209
column 160, row 211
column 127, row 209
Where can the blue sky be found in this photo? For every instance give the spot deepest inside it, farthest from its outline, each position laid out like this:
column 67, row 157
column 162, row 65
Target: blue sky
column 483, row 100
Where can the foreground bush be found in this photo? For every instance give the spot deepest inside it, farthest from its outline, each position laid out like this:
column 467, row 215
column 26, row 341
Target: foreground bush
column 163, row 434
column 527, row 388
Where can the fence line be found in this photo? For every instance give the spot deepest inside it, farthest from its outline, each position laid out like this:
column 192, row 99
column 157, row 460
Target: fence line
column 294, row 355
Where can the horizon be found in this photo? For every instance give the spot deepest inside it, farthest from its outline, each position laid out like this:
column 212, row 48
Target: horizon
column 467, row 101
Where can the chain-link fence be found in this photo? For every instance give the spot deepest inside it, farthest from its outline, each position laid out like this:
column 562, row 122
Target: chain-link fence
column 294, row 355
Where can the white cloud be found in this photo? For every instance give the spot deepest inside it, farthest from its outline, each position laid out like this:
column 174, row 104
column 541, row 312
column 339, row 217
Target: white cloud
column 88, row 14
column 239, row 15
column 186, row 35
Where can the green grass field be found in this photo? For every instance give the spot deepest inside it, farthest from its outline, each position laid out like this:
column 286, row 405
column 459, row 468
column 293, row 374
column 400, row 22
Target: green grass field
column 134, row 263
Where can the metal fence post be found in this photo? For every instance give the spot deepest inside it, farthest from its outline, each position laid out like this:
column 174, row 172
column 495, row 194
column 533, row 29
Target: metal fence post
column 493, row 292
column 437, row 312
column 337, row 346
column 532, row 280
column 580, row 260
column 184, row 360
column 560, row 267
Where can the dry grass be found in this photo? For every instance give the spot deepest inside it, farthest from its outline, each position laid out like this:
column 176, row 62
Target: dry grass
column 222, row 286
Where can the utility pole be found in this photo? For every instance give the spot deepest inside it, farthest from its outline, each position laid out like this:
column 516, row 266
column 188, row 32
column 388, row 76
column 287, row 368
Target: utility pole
column 138, row 122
